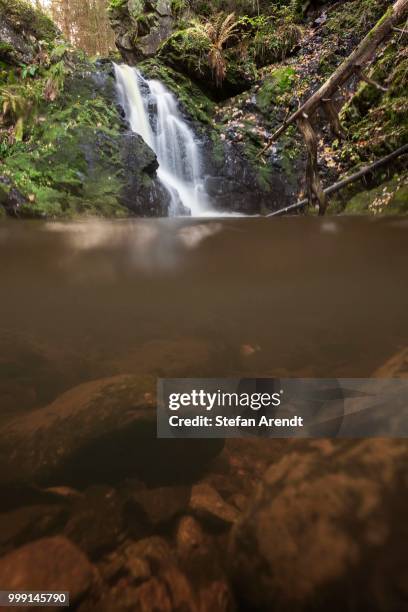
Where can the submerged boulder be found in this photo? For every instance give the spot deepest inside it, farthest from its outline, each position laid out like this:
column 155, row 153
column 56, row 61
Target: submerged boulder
column 324, row 529
column 101, row 431
column 49, row 564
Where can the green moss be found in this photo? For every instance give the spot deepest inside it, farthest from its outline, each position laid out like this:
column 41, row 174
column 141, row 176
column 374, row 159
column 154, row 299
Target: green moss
column 25, row 17
column 390, row 198
column 377, row 121
column 356, row 18
column 194, row 102
column 279, row 81
column 115, row 4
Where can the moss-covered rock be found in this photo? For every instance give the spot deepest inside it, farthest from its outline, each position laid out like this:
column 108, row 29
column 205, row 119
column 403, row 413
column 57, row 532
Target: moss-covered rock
column 140, row 26
column 22, row 29
column 78, row 156
column 194, row 102
column 390, row 197
column 377, row 121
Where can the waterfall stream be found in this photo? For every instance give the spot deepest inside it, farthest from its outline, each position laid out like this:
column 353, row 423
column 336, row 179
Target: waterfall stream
column 153, row 112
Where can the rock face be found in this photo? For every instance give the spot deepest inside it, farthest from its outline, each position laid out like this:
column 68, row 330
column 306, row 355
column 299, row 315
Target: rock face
column 233, row 184
column 51, row 564
column 326, row 529
column 94, row 167
column 21, row 28
column 141, row 26
column 86, row 159
column 100, row 431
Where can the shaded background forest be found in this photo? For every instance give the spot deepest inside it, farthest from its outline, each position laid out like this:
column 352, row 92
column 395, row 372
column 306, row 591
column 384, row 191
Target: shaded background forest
column 84, row 23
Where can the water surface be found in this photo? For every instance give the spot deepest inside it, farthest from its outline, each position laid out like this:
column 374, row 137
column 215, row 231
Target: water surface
column 290, row 297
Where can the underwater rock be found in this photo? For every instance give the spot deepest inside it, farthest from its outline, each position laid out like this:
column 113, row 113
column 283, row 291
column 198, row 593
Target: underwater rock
column 50, row 564
column 29, row 523
column 323, row 529
column 157, row 506
column 208, row 505
column 396, row 367
column 95, row 523
column 99, row 432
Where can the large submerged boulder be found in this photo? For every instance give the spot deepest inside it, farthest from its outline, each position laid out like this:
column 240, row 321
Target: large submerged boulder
column 101, row 431
column 49, row 564
column 325, row 529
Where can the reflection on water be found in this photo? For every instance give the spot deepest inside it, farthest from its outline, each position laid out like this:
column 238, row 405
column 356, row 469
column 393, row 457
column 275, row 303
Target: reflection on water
column 189, row 297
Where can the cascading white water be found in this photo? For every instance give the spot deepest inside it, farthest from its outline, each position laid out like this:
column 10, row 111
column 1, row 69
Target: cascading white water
column 152, row 112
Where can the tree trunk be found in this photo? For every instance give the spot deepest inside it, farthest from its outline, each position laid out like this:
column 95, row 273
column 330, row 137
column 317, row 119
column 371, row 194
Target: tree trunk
column 360, row 56
column 346, row 181
column 315, row 193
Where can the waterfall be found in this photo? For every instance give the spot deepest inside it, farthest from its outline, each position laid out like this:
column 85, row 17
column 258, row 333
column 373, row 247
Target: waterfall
column 153, row 112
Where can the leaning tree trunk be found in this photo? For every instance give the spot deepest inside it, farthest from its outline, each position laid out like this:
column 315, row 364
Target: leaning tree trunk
column 352, row 65
column 315, row 193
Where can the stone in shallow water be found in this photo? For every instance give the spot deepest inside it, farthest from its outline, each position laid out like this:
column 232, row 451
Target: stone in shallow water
column 99, row 432
column 208, row 505
column 50, row 564
column 157, row 506
column 29, row 523
column 96, row 524
column 326, row 530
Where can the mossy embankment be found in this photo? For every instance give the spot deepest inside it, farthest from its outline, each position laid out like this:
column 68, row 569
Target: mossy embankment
column 64, row 146
column 237, row 69
column 272, row 56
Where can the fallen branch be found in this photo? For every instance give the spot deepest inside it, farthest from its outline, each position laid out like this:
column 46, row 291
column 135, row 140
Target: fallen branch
column 346, row 181
column 367, row 79
column 353, row 64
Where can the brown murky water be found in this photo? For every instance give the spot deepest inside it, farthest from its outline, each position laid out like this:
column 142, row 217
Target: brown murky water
column 197, row 298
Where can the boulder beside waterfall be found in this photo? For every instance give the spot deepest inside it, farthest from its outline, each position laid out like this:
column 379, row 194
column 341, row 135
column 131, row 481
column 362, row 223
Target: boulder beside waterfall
column 141, row 26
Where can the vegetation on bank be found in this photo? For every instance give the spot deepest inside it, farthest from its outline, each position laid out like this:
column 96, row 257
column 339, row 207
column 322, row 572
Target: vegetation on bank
column 238, row 69
column 60, row 151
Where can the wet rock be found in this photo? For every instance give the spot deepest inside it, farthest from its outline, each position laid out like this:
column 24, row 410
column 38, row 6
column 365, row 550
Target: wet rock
column 142, row 192
column 155, row 550
column 141, row 26
column 111, row 567
column 190, row 538
column 10, row 197
column 198, row 557
column 99, row 432
column 50, row 564
column 64, row 493
column 396, row 367
column 95, row 524
column 138, row 569
column 326, row 528
column 14, row 496
column 21, row 28
column 156, row 507
column 28, row 523
column 209, row 506
column 233, row 182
